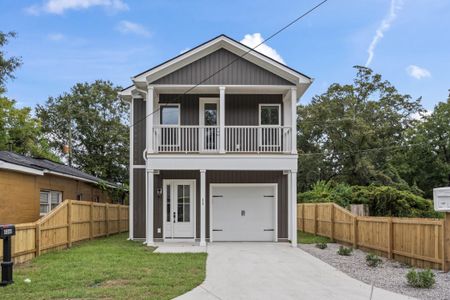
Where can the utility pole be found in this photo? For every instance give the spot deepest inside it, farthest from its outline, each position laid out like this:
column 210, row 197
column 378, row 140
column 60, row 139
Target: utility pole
column 68, row 147
column 70, row 141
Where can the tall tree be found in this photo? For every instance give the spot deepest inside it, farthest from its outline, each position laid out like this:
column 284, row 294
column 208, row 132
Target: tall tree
column 20, row 132
column 97, row 122
column 7, row 64
column 426, row 164
column 339, row 129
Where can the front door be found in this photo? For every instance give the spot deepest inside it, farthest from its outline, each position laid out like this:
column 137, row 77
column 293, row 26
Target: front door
column 179, row 217
column 209, row 124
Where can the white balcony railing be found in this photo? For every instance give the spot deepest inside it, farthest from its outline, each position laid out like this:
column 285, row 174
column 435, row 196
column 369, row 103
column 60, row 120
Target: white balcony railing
column 238, row 139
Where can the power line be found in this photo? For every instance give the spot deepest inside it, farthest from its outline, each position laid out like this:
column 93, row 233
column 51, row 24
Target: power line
column 236, row 59
column 365, row 150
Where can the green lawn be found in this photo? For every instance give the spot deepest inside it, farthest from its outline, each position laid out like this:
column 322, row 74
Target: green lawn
column 308, row 238
column 107, row 268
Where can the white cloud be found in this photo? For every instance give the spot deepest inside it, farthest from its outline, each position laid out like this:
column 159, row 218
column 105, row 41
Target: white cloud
column 422, row 115
column 134, row 28
column 252, row 40
column 60, row 6
column 396, row 6
column 56, row 37
column 185, row 50
column 417, row 72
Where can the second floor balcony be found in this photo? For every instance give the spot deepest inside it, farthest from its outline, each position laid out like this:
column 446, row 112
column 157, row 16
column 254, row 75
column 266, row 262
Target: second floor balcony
column 236, row 139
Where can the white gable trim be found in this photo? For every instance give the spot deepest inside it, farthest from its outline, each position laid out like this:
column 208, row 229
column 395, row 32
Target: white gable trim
column 230, row 45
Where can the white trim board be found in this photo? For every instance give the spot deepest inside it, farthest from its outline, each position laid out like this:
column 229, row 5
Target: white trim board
column 17, row 168
column 223, row 162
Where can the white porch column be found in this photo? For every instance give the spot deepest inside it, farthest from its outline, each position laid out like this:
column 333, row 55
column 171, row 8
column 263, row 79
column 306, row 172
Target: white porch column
column 202, row 207
column 294, row 120
column 222, row 120
column 289, row 194
column 293, row 211
column 149, row 208
column 149, row 119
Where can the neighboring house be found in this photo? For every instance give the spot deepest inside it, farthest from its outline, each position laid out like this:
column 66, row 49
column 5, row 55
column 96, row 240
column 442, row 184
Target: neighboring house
column 218, row 163
column 32, row 187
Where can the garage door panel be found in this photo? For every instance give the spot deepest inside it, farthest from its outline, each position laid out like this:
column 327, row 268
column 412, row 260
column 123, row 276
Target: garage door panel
column 243, row 213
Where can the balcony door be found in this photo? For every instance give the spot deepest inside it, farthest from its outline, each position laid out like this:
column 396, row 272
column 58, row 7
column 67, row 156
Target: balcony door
column 209, row 124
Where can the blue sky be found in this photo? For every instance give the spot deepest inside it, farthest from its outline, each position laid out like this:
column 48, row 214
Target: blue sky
column 63, row 42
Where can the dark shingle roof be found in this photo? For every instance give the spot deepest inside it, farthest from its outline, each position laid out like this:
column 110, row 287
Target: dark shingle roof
column 44, row 164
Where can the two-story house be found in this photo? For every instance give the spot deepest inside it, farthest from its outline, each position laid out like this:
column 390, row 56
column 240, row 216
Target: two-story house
column 213, row 147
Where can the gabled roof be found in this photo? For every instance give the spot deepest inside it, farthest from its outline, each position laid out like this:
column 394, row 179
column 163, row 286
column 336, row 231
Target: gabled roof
column 36, row 166
column 140, row 80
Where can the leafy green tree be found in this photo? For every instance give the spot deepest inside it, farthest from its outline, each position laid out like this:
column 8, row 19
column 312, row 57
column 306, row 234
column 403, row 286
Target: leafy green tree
column 96, row 120
column 7, row 65
column 426, row 164
column 349, row 133
column 20, row 132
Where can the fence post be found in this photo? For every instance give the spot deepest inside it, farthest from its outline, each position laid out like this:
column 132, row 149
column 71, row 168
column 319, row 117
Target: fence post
column 38, row 239
column 107, row 219
column 303, row 217
column 69, row 223
column 355, row 232
column 91, row 221
column 332, row 222
column 446, row 243
column 315, row 219
column 390, row 238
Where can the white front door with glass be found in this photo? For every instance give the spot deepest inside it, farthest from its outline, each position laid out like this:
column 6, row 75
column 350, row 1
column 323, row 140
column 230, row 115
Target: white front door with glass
column 179, row 208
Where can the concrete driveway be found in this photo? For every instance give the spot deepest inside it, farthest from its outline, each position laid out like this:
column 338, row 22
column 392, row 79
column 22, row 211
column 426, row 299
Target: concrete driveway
column 276, row 271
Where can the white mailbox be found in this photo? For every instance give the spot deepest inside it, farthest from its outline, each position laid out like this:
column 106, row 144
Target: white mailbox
column 441, row 198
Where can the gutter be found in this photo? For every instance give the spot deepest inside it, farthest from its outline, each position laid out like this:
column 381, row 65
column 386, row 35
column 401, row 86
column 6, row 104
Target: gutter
column 78, row 178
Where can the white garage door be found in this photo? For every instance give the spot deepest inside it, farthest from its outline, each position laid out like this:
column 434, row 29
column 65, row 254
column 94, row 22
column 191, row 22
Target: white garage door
column 243, row 212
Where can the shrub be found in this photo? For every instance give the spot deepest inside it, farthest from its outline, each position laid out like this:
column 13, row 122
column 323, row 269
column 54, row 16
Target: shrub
column 344, row 251
column 373, row 260
column 421, row 279
column 321, row 245
column 382, row 200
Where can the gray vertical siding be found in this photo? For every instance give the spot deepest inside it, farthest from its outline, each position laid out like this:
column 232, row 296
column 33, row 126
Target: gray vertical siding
column 240, row 72
column 224, row 177
column 138, row 131
column 139, row 203
column 243, row 110
column 239, row 109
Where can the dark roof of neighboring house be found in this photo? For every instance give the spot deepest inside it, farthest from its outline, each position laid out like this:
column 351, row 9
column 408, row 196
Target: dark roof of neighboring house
column 45, row 164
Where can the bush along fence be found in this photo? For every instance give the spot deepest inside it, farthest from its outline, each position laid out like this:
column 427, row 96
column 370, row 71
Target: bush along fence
column 71, row 221
column 423, row 243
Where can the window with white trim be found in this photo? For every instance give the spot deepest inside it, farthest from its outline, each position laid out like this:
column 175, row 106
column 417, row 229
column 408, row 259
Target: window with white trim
column 269, row 115
column 49, row 200
column 170, row 114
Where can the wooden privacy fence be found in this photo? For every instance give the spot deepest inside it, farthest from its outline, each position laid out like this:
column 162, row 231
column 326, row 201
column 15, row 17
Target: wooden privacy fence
column 418, row 242
column 72, row 221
